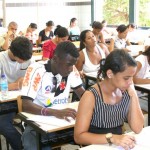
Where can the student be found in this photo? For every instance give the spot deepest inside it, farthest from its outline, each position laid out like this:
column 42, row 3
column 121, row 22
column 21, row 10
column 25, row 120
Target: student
column 90, row 54
column 97, row 31
column 61, row 34
column 55, row 78
column 105, row 106
column 13, row 63
column 105, row 30
column 46, row 33
column 120, row 41
column 142, row 75
column 132, row 35
column 30, row 33
column 7, row 38
column 73, row 28
column 97, row 28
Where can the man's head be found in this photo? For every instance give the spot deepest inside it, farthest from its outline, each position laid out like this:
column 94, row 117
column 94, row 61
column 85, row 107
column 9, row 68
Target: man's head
column 65, row 56
column 21, row 48
column 13, row 26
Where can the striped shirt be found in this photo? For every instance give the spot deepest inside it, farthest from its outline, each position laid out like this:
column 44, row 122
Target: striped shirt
column 109, row 116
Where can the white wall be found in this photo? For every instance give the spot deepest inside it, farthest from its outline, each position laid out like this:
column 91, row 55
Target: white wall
column 40, row 11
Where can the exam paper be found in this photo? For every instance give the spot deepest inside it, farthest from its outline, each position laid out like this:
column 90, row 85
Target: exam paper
column 51, row 120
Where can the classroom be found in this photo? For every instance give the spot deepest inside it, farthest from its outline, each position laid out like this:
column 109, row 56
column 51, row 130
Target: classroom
column 74, row 74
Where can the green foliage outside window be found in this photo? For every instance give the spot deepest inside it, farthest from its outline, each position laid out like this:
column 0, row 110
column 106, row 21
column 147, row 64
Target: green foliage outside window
column 117, row 12
column 144, row 13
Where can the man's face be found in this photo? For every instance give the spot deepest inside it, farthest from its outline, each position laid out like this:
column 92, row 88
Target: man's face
column 65, row 66
column 13, row 28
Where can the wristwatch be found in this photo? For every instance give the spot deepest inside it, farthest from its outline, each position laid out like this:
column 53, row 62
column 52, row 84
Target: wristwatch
column 108, row 138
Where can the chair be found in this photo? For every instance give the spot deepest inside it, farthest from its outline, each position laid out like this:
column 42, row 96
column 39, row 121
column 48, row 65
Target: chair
column 74, row 38
column 19, row 103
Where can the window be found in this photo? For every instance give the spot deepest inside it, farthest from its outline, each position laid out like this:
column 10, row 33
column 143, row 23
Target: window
column 116, row 12
column 144, row 11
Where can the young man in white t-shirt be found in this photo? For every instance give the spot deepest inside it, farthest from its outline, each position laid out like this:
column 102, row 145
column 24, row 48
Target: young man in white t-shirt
column 14, row 63
column 46, row 85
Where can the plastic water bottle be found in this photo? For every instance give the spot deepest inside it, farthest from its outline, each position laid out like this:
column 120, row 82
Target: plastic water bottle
column 4, row 87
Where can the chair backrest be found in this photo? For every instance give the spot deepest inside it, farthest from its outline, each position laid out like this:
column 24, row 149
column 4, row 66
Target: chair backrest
column 74, row 38
column 19, row 103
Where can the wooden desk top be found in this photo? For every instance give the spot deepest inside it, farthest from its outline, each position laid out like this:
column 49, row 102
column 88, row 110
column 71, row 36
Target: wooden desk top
column 77, row 44
column 144, row 86
column 36, row 49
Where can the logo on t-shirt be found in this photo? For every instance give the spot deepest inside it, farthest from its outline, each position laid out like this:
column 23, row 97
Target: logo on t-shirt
column 36, row 81
column 48, row 103
column 62, row 85
column 27, row 76
column 47, row 89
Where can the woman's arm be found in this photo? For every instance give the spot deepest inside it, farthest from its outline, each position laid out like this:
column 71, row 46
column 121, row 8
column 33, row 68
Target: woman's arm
column 83, row 119
column 140, row 80
column 128, row 42
column 135, row 115
column 104, row 48
column 39, row 40
column 111, row 45
column 101, row 37
column 80, row 62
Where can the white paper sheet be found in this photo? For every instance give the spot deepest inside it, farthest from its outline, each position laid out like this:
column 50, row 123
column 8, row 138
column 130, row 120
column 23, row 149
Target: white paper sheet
column 51, row 120
column 147, row 86
column 142, row 142
column 11, row 95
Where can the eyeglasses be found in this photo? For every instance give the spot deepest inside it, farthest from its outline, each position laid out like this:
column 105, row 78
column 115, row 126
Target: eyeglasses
column 54, row 86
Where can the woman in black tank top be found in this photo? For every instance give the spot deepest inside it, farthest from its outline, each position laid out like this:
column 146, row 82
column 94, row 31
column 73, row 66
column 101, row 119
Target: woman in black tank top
column 105, row 106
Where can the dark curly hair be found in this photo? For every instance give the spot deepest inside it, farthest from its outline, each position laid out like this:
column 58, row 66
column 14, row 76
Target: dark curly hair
column 21, row 47
column 65, row 48
column 61, row 31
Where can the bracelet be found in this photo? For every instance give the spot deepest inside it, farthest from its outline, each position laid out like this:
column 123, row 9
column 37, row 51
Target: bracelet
column 45, row 111
column 42, row 111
